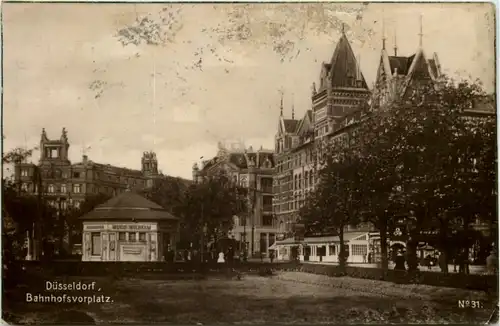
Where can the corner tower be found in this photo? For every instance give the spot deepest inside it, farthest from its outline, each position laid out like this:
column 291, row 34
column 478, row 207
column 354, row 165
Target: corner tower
column 54, row 150
column 149, row 164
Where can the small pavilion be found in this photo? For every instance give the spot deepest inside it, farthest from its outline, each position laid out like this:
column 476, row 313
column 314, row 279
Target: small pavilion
column 128, row 227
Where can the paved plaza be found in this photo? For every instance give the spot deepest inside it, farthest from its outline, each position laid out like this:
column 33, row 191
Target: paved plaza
column 288, row 297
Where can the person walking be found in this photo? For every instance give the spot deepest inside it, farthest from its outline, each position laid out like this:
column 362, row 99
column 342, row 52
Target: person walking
column 492, row 263
column 271, row 256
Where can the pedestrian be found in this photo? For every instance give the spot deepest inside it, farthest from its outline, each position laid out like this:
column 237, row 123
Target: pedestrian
column 271, row 256
column 400, row 262
column 365, row 258
column 492, row 263
column 221, row 258
column 261, row 257
column 370, row 257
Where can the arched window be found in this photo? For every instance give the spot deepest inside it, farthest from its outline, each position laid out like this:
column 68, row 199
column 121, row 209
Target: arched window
column 306, row 179
column 311, row 180
column 51, row 189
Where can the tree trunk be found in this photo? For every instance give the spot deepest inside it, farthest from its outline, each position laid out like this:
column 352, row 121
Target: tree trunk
column 342, row 253
column 443, row 259
column 412, row 255
column 383, row 246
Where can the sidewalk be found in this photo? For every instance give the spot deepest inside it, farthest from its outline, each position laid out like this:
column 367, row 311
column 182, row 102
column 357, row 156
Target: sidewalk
column 474, row 269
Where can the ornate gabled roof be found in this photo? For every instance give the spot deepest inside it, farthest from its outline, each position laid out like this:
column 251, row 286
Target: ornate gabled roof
column 344, row 65
column 304, row 123
column 290, row 125
column 402, row 64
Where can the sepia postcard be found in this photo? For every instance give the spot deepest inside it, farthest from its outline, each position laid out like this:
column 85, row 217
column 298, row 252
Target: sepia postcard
column 249, row 163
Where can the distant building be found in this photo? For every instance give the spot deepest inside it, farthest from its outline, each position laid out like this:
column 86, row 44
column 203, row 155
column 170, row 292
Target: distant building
column 67, row 184
column 252, row 169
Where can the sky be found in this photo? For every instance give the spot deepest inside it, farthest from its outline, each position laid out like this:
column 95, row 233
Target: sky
column 192, row 75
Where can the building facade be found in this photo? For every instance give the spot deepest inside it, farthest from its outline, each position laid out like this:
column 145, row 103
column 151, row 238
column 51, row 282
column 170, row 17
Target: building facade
column 253, row 170
column 64, row 184
column 338, row 105
column 299, row 143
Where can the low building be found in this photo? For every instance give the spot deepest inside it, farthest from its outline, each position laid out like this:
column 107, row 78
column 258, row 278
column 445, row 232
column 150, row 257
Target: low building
column 128, row 227
column 324, row 248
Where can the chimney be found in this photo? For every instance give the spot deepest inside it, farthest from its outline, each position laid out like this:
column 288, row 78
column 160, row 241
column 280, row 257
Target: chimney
column 85, row 159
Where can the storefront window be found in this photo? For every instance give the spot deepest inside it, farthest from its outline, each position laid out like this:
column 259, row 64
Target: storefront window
column 121, row 236
column 142, row 236
column 96, row 244
column 131, row 236
column 359, row 250
column 331, row 250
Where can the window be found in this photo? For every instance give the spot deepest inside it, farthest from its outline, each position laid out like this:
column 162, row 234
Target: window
column 51, row 189
column 96, row 243
column 267, row 220
column 77, row 188
column 321, row 251
column 359, row 250
column 77, row 204
column 121, row 236
column 24, row 187
column 142, row 236
column 54, row 153
column 331, row 250
column 76, row 174
column 131, row 236
column 24, row 172
column 63, row 188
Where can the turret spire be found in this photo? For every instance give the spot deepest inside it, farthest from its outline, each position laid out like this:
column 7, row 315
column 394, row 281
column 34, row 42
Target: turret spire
column 421, row 34
column 383, row 33
column 293, row 108
column 395, row 43
column 343, row 29
column 281, row 104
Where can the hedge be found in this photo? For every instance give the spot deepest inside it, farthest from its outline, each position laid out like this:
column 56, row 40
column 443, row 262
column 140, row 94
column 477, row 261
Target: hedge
column 487, row 283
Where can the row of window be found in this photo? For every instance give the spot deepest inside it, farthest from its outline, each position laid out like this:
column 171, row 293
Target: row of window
column 298, row 160
column 57, row 173
column 122, row 236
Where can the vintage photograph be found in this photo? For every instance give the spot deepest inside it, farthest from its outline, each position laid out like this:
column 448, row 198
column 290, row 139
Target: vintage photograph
column 249, row 163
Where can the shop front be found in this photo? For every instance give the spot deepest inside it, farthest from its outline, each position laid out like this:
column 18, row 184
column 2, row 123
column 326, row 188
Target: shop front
column 128, row 228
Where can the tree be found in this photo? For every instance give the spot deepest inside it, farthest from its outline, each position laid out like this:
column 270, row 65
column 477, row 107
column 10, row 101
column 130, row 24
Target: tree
column 72, row 216
column 168, row 192
column 211, row 205
column 333, row 205
column 421, row 158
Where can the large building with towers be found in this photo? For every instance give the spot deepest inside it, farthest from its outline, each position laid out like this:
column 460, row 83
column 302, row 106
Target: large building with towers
column 337, row 106
column 64, row 183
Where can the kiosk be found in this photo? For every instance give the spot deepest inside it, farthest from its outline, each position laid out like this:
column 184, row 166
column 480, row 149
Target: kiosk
column 128, row 227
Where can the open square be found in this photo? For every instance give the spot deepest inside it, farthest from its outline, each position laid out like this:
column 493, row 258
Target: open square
column 288, row 297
